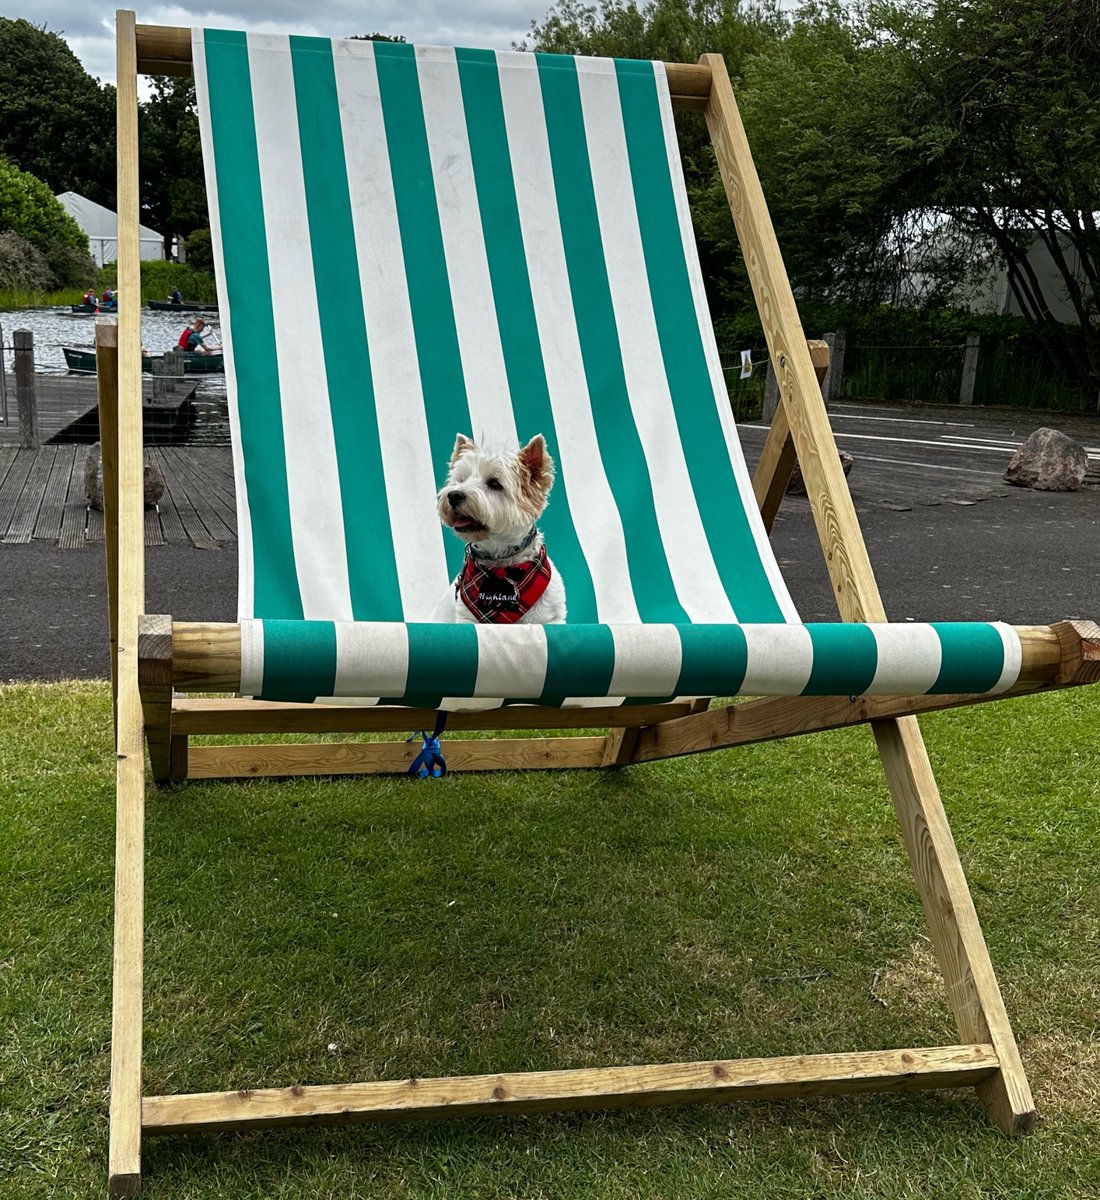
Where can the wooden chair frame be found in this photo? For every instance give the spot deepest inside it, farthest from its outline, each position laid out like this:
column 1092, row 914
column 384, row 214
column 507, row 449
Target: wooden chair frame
column 154, row 660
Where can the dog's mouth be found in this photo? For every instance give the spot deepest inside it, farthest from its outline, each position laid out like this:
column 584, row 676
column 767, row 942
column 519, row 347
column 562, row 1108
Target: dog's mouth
column 464, row 524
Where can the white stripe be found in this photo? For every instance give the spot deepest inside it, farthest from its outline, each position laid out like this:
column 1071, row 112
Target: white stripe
column 746, row 497
column 410, row 475
column 597, row 520
column 779, row 660
column 512, row 666
column 245, row 574
column 312, row 473
column 909, row 658
column 372, row 658
column 698, row 585
column 1014, row 657
column 487, row 391
column 648, row 659
column 252, row 657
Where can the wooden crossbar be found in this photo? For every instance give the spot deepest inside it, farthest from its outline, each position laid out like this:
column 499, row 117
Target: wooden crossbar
column 560, row 1091
column 206, row 655
column 166, row 50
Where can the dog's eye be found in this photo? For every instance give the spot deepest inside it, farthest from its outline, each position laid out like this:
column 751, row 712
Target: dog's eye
column 494, row 485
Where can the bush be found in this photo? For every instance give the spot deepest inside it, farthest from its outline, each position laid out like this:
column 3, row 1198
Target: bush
column 159, row 278
column 29, row 209
column 200, row 251
column 23, row 267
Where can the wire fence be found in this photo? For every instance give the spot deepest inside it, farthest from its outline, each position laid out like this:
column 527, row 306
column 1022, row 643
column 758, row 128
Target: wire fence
column 1009, row 371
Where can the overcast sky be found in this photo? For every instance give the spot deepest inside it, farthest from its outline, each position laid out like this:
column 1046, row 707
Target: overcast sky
column 88, row 26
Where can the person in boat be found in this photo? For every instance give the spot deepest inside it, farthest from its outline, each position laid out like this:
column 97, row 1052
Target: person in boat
column 191, row 338
column 90, row 297
column 176, row 297
column 108, row 296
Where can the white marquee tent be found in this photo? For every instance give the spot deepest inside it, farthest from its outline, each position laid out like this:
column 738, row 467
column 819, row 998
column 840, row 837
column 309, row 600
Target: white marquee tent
column 101, row 226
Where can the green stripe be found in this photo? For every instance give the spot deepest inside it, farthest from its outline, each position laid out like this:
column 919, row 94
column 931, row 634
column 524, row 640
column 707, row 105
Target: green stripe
column 299, row 660
column 515, row 309
column 372, row 567
column 580, row 661
column 973, row 658
column 620, row 445
column 252, row 324
column 724, row 520
column 845, row 660
column 445, row 404
column 442, row 661
column 714, row 659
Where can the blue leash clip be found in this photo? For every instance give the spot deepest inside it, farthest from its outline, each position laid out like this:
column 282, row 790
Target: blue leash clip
column 429, row 763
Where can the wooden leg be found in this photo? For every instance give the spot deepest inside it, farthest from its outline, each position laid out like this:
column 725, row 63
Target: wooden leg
column 155, row 676
column 953, row 924
column 126, row 1039
column 619, row 747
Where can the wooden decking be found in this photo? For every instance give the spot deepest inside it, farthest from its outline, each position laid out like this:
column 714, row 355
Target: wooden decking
column 42, row 497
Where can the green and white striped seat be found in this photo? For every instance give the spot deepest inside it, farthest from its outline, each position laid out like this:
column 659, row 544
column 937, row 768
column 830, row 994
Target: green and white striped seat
column 417, row 242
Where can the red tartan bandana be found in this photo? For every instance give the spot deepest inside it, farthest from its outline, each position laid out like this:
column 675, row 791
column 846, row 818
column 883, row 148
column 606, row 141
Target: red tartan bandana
column 501, row 595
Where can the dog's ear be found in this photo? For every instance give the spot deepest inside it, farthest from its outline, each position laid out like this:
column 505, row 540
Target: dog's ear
column 538, row 462
column 462, row 444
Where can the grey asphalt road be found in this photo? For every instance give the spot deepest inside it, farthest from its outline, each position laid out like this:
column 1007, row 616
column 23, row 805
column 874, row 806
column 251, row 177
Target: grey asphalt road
column 949, row 540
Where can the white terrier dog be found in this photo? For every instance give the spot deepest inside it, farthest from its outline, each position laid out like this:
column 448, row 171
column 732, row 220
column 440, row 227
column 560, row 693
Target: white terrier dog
column 493, row 502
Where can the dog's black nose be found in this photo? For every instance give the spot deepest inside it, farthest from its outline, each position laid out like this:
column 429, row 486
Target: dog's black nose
column 456, row 499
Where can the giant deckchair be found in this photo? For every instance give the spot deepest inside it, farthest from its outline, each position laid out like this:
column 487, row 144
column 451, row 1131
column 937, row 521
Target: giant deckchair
column 416, row 243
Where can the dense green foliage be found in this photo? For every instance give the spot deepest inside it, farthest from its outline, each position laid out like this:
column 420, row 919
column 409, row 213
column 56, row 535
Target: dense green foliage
column 55, row 120
column 159, row 278
column 43, row 247
column 173, row 188
column 903, row 146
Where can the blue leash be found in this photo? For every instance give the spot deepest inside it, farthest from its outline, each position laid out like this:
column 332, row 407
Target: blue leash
column 429, row 763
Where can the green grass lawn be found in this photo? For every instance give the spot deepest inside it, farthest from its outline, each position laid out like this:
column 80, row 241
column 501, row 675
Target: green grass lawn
column 746, row 902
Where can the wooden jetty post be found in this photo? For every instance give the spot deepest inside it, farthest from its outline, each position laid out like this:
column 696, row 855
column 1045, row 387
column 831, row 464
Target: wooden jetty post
column 26, row 402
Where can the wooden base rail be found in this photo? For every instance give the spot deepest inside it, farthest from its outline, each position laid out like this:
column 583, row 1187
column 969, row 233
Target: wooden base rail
column 561, row 1091
column 206, row 656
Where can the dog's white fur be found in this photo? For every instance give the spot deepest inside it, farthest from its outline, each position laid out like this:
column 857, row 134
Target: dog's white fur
column 493, row 501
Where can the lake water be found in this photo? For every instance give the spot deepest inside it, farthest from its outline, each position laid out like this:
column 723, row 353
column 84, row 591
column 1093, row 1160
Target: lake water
column 54, row 328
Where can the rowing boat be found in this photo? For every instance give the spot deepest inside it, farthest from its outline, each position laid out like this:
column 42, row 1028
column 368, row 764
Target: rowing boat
column 185, row 306
column 82, row 362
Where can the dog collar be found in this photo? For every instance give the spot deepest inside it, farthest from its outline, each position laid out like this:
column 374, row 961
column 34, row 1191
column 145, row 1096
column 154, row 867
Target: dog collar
column 510, row 552
column 501, row 595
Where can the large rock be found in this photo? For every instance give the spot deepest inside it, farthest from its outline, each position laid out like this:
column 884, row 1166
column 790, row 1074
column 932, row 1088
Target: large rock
column 796, row 485
column 1048, row 461
column 93, row 481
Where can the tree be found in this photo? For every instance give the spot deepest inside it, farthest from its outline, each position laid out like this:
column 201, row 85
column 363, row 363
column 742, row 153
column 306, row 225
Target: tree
column 55, row 119
column 29, row 211
column 1011, row 91
column 173, row 197
column 678, row 31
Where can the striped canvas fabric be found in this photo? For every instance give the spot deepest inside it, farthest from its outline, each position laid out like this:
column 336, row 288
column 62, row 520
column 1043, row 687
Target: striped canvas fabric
column 442, row 666
column 417, row 242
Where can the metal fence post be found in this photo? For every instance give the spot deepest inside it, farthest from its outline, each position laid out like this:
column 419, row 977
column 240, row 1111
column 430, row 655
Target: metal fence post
column 834, row 378
column 3, row 383
column 25, row 400
column 970, row 369
column 771, row 394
